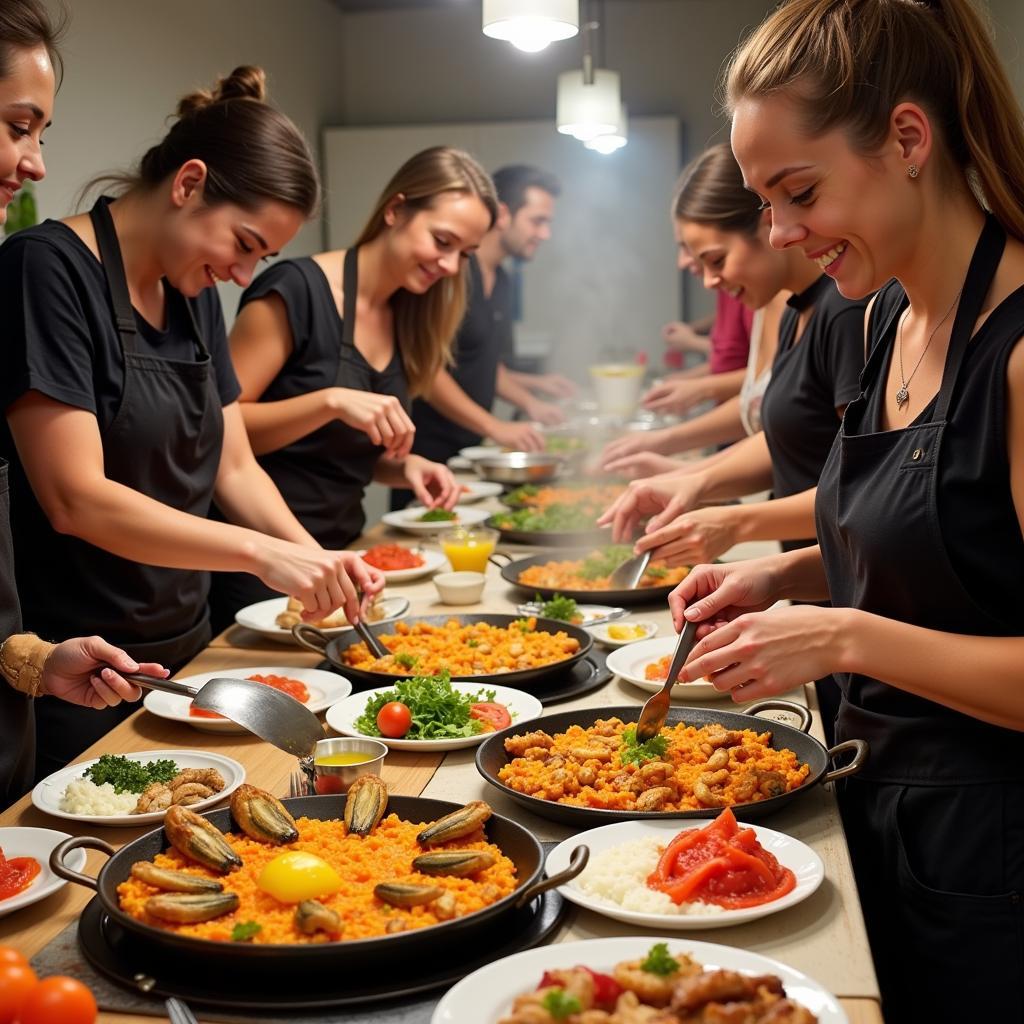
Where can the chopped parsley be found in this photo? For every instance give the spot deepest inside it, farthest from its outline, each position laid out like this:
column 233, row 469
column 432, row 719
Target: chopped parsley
column 660, row 961
column 560, row 1004
column 560, row 608
column 406, row 660
column 636, row 753
column 127, row 776
column 245, row 931
column 437, row 515
column 524, row 625
column 656, row 572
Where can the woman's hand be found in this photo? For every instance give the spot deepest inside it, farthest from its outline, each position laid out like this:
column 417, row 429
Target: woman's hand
column 635, row 442
column 676, row 397
column 321, row 580
column 78, row 671
column 716, row 594
column 518, row 437
column 431, row 482
column 653, row 497
column 554, row 385
column 682, row 336
column 698, row 536
column 764, row 654
column 380, row 417
column 544, row 412
column 640, row 466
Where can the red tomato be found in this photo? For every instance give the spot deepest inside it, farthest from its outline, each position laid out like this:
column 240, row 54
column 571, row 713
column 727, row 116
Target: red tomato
column 16, row 983
column 494, row 716
column 10, row 955
column 394, row 720
column 59, row 999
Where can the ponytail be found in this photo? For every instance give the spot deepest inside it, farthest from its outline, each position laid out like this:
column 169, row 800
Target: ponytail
column 847, row 63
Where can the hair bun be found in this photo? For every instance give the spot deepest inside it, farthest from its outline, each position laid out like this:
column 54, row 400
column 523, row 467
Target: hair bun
column 245, row 82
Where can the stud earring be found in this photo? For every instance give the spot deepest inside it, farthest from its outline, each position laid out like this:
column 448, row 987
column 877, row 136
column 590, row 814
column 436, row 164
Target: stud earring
column 913, row 171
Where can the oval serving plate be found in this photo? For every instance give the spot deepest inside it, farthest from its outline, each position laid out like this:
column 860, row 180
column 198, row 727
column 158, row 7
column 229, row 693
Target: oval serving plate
column 805, row 864
column 408, row 519
column 522, row 707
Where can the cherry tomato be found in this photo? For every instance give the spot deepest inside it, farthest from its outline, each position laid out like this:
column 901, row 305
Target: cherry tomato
column 10, row 955
column 394, row 720
column 16, row 983
column 494, row 715
column 59, row 999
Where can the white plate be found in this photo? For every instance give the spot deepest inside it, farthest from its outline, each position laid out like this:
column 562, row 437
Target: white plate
column 408, row 519
column 46, row 796
column 487, row 994
column 600, row 633
column 791, row 853
column 477, row 490
column 38, row 843
column 325, row 689
column 262, row 617
column 590, row 612
column 479, row 451
column 521, row 706
column 459, row 464
column 432, row 561
column 629, row 663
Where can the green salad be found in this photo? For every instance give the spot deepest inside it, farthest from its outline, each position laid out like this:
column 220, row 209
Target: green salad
column 553, row 518
column 437, row 515
column 439, row 712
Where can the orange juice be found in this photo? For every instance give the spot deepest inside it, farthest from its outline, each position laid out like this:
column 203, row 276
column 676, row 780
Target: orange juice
column 468, row 553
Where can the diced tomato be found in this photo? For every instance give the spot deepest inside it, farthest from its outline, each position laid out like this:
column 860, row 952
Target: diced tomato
column 493, row 715
column 392, row 556
column 293, row 687
column 16, row 874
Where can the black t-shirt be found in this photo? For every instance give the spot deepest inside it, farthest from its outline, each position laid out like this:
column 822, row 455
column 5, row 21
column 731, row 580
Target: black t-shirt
column 810, row 380
column 60, row 336
column 485, row 338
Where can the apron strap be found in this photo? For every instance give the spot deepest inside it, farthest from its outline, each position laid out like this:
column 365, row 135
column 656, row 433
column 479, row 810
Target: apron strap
column 984, row 263
column 113, row 270
column 350, row 285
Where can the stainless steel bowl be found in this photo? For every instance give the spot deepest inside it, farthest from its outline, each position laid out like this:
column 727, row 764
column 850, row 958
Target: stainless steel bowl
column 337, row 778
column 519, row 467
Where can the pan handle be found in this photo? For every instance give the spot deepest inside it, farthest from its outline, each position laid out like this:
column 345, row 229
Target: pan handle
column 860, row 755
column 495, row 555
column 577, row 862
column 61, row 850
column 801, row 712
column 310, row 637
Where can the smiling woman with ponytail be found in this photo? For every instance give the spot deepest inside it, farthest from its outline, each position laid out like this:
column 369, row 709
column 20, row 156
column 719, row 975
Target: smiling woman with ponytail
column 886, row 140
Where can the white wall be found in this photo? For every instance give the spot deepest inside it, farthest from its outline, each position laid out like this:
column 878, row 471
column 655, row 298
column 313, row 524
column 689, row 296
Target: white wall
column 127, row 62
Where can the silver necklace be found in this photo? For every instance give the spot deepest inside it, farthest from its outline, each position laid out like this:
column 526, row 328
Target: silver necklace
column 903, row 395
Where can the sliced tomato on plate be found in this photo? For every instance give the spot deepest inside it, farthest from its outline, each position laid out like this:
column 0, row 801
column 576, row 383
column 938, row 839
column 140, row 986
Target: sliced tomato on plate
column 493, row 715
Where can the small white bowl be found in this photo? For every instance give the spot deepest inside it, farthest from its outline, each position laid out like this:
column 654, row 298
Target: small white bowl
column 460, row 587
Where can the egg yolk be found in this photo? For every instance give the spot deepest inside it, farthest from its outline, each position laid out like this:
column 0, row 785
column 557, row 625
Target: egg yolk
column 626, row 632
column 296, row 876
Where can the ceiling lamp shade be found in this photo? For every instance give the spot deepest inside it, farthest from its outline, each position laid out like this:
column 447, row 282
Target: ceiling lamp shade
column 584, row 110
column 608, row 144
column 530, row 25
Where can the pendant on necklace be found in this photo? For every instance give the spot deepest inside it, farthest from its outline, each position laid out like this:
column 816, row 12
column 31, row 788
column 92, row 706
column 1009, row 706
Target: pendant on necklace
column 902, row 397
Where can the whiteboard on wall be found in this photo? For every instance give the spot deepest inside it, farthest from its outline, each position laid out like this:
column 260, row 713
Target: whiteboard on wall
column 606, row 281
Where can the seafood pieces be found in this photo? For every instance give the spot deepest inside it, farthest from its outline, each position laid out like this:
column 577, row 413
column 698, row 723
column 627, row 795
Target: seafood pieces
column 189, row 786
column 365, row 804
column 262, row 816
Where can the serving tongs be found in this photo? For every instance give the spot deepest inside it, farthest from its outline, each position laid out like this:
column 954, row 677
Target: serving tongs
column 271, row 714
column 655, row 711
column 365, row 634
column 628, row 575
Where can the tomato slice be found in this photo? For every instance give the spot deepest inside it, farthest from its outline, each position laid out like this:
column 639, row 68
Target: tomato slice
column 493, row 715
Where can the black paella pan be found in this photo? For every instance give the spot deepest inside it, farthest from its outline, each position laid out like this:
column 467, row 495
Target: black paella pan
column 511, row 569
column 514, row 841
column 491, row 757
column 537, row 538
column 333, row 649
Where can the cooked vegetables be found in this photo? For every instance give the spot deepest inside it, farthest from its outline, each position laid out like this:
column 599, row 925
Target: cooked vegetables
column 554, row 518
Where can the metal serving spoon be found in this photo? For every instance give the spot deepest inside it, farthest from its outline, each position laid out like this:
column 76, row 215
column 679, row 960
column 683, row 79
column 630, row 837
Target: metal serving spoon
column 629, row 573
column 655, row 711
column 272, row 715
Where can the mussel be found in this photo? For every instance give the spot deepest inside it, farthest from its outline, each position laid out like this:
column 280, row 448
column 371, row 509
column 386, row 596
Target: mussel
column 457, row 863
column 312, row 916
column 365, row 804
column 173, row 881
column 198, row 839
column 190, row 908
column 406, row 895
column 456, row 825
column 262, row 816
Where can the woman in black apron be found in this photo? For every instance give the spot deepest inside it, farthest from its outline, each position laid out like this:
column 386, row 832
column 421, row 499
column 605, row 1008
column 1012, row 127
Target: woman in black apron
column 73, row 670
column 119, row 397
column 920, row 509
column 329, row 349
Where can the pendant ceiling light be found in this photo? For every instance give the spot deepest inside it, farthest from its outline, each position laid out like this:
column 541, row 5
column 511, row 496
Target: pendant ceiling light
column 530, row 25
column 585, row 109
column 614, row 140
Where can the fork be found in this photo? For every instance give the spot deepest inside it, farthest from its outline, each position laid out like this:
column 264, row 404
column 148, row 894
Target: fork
column 178, row 1012
column 297, row 785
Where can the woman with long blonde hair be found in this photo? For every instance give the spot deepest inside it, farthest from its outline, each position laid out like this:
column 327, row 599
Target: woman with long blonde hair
column 329, row 350
column 887, row 141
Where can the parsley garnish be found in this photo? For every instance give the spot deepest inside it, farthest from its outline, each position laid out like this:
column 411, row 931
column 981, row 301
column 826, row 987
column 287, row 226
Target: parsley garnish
column 127, row 776
column 660, row 961
column 245, row 931
column 437, row 515
column 636, row 753
column 559, row 607
column 559, row 1004
column 657, row 572
column 406, row 660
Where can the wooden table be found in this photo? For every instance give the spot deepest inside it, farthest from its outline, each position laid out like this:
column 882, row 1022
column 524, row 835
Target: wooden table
column 823, row 936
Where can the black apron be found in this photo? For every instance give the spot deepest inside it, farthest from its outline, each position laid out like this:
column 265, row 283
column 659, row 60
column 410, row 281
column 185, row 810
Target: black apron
column 307, row 472
column 17, row 727
column 165, row 442
column 935, row 820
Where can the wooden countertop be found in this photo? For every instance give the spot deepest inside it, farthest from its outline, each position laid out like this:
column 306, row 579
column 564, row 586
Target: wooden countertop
column 823, row 936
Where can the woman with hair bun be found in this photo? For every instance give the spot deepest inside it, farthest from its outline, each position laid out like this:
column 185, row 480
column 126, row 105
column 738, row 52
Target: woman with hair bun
column 886, row 138
column 329, row 349
column 122, row 421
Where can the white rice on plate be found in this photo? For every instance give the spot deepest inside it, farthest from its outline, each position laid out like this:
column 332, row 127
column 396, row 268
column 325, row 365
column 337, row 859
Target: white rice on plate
column 620, row 875
column 83, row 796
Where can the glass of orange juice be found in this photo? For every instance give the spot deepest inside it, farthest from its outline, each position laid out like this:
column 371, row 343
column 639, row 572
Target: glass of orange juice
column 467, row 548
